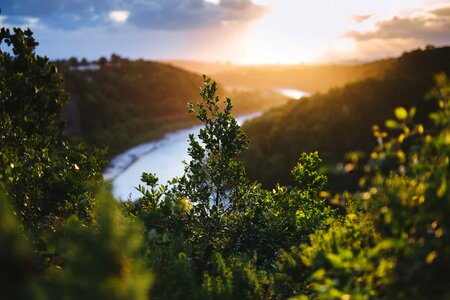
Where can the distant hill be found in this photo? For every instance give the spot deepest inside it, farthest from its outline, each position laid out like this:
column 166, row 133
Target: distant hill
column 311, row 78
column 201, row 67
column 341, row 119
column 119, row 103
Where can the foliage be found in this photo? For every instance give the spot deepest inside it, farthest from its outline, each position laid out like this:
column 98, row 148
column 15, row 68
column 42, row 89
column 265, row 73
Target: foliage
column 51, row 182
column 393, row 243
column 212, row 219
column 412, row 203
column 119, row 103
column 47, row 177
column 125, row 102
column 213, row 234
column 102, row 261
column 343, row 260
column 339, row 121
column 18, row 272
column 237, row 278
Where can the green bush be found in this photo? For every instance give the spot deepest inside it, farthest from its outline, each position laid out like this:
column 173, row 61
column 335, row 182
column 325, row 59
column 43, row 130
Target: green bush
column 47, row 178
column 103, row 261
column 394, row 241
column 213, row 217
column 19, row 271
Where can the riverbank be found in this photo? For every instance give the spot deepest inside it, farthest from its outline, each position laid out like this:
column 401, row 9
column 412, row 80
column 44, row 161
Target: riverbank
column 157, row 155
column 163, row 157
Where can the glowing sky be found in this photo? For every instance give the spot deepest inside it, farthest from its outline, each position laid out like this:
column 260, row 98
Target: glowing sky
column 239, row 31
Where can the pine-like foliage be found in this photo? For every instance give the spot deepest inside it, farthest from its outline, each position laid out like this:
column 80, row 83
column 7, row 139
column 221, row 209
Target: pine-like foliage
column 102, row 261
column 212, row 226
column 46, row 177
column 394, row 242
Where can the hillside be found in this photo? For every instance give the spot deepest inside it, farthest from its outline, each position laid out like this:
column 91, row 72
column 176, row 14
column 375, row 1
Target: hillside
column 201, row 67
column 121, row 103
column 340, row 120
column 311, row 78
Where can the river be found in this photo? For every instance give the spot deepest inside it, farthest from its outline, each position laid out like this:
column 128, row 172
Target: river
column 292, row 93
column 163, row 157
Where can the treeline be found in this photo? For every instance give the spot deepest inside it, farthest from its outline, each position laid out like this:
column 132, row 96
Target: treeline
column 118, row 103
column 311, row 78
column 212, row 233
column 340, row 121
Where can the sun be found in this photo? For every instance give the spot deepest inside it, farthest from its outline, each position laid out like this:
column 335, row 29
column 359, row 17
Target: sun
column 298, row 31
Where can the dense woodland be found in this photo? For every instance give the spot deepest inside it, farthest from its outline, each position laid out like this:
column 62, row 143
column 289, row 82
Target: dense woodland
column 118, row 103
column 339, row 122
column 212, row 233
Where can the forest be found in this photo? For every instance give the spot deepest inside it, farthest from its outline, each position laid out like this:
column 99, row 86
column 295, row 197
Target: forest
column 214, row 232
column 110, row 103
column 338, row 123
column 119, row 103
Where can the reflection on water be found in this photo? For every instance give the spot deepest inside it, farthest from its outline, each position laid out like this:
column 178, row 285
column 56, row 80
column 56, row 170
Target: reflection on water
column 163, row 157
column 292, row 93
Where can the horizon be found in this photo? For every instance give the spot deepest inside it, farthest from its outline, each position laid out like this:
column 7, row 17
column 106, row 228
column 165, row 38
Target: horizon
column 348, row 62
column 237, row 32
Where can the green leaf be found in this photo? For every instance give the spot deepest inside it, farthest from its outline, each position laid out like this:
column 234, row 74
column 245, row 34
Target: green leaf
column 401, row 113
column 442, row 188
column 391, row 124
column 412, row 112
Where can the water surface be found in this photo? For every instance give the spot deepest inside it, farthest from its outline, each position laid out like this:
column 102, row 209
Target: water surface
column 163, row 157
column 292, row 93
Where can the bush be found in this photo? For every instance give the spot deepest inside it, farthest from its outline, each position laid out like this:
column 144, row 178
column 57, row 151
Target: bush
column 47, row 178
column 214, row 218
column 394, row 241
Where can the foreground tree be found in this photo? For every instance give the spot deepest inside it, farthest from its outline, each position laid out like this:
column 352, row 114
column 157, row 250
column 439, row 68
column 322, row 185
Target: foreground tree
column 47, row 177
column 394, row 242
column 19, row 271
column 218, row 228
column 103, row 261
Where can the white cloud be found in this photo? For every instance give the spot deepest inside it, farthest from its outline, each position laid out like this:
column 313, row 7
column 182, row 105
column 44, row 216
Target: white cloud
column 119, row 16
column 151, row 14
column 361, row 18
column 431, row 26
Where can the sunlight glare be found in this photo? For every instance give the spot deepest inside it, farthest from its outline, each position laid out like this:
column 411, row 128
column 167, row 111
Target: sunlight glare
column 119, row 16
column 299, row 31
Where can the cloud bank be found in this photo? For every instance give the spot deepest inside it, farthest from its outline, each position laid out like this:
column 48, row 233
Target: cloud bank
column 431, row 27
column 151, row 14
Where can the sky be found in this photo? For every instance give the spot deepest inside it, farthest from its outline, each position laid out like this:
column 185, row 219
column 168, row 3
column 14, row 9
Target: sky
column 236, row 31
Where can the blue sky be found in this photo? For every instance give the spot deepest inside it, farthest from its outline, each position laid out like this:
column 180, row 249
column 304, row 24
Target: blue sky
column 239, row 31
